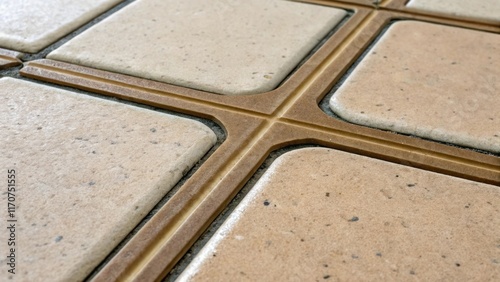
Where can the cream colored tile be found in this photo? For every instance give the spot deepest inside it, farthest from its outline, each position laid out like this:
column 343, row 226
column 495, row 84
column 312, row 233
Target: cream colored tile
column 31, row 25
column 478, row 9
column 87, row 171
column 224, row 46
column 429, row 80
column 319, row 214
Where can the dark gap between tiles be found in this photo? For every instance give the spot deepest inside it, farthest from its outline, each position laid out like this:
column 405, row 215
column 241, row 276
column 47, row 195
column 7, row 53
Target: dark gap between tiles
column 325, row 106
column 228, row 210
column 218, row 130
column 41, row 54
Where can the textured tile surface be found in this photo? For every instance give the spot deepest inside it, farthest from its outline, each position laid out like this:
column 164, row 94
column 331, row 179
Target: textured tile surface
column 422, row 79
column 321, row 214
column 479, row 9
column 31, row 25
column 229, row 47
column 88, row 171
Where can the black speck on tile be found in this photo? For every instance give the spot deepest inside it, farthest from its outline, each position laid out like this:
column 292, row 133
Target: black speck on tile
column 412, row 272
column 457, row 264
column 327, row 194
column 91, row 183
column 326, row 276
column 153, row 130
column 58, row 238
column 379, row 254
column 266, row 203
column 411, row 184
column 353, row 219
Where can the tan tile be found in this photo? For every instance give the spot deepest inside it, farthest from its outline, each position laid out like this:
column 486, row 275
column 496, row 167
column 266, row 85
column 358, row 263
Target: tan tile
column 429, row 80
column 230, row 47
column 480, row 9
column 320, row 214
column 32, row 25
column 88, row 170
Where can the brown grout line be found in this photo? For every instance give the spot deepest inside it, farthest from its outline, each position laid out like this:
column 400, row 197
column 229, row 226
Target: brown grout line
column 389, row 144
column 9, row 58
column 322, row 67
column 40, row 66
column 400, row 6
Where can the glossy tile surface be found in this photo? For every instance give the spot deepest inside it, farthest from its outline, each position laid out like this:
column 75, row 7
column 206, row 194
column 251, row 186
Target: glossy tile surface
column 32, row 25
column 422, row 79
column 88, row 170
column 319, row 214
column 479, row 9
column 230, row 47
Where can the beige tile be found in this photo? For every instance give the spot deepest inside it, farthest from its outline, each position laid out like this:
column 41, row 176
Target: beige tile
column 87, row 170
column 479, row 9
column 224, row 46
column 429, row 80
column 320, row 214
column 31, row 25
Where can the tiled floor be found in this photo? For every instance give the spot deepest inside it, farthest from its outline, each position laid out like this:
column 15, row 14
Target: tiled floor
column 233, row 140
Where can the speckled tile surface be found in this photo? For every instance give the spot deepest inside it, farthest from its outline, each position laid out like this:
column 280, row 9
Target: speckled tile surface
column 31, row 25
column 191, row 43
column 88, row 170
column 421, row 79
column 480, row 9
column 320, row 214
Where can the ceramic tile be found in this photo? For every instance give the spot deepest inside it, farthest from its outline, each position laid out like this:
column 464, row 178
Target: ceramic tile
column 482, row 9
column 320, row 214
column 421, row 79
column 31, row 25
column 190, row 43
column 88, row 170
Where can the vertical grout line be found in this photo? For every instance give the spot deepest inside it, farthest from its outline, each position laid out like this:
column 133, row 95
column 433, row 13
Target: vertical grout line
column 320, row 70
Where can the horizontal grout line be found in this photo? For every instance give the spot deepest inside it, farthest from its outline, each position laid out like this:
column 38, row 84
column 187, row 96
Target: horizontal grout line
column 394, row 145
column 406, row 11
column 13, row 59
column 90, row 77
